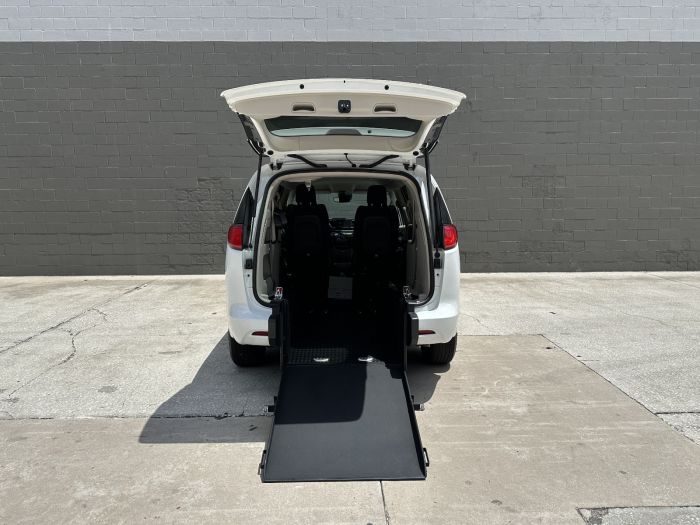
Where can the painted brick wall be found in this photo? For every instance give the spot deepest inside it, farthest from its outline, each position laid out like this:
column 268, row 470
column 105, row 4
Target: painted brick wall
column 122, row 158
column 360, row 20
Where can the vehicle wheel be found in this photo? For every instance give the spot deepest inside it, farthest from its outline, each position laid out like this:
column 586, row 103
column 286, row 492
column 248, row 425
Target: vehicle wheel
column 441, row 353
column 246, row 355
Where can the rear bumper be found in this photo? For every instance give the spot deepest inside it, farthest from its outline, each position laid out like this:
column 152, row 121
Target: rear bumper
column 246, row 316
column 244, row 322
column 442, row 322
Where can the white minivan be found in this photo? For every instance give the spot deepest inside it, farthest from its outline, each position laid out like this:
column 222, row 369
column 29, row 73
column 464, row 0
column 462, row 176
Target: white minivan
column 341, row 223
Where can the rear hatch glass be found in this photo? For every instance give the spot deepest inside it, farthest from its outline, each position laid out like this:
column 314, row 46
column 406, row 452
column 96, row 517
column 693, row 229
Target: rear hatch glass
column 297, row 126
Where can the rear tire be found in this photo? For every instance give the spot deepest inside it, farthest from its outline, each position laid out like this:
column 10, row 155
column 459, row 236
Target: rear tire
column 441, row 353
column 246, row 355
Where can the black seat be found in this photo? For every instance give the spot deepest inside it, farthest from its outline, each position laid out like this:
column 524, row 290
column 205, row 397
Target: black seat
column 375, row 244
column 306, row 245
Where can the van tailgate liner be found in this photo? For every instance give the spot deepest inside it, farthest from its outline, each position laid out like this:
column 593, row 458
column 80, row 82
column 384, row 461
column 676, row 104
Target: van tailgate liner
column 341, row 422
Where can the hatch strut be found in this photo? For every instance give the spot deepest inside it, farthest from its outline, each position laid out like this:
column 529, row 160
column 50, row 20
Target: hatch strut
column 431, row 140
column 426, row 149
column 258, row 147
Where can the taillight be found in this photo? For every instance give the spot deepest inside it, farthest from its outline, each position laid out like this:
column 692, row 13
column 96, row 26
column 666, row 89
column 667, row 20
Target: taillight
column 449, row 236
column 235, row 236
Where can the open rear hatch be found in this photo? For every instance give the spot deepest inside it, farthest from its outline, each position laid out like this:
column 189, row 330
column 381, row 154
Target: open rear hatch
column 344, row 413
column 333, row 117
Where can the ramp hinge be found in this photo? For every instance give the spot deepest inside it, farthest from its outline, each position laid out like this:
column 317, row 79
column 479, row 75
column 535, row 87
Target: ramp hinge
column 263, row 461
column 270, row 409
column 418, row 407
column 425, row 453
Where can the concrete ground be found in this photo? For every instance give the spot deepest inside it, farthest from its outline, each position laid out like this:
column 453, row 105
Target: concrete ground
column 118, row 403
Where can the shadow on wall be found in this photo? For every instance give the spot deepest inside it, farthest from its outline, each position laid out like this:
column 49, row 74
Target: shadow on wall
column 223, row 403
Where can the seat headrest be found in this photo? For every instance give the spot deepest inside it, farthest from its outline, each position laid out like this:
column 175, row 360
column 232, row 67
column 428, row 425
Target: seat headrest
column 376, row 196
column 304, row 196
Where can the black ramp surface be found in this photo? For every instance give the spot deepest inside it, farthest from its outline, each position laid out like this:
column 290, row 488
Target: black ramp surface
column 343, row 422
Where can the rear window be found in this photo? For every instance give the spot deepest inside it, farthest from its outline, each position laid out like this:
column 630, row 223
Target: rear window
column 340, row 210
column 305, row 126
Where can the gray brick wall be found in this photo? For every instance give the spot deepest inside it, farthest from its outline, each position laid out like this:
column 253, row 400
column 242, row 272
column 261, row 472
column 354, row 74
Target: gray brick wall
column 122, row 158
column 340, row 20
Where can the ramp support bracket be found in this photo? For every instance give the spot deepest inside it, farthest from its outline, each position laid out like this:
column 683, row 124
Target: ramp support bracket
column 270, row 409
column 418, row 407
column 263, row 461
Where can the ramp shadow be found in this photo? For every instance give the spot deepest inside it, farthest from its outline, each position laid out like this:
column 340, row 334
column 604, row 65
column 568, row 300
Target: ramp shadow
column 217, row 405
column 214, row 407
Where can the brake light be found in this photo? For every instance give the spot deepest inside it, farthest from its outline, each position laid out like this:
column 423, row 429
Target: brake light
column 235, row 236
column 449, row 236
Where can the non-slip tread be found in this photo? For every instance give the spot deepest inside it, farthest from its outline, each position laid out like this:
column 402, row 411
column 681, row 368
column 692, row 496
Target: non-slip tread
column 343, row 422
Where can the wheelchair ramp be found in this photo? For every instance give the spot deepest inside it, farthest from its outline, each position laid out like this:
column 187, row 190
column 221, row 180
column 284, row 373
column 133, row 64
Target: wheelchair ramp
column 341, row 422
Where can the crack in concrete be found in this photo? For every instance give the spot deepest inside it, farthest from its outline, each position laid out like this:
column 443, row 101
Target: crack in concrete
column 676, row 329
column 596, row 516
column 674, row 280
column 73, row 318
column 73, row 335
column 63, row 361
column 386, row 510
column 478, row 321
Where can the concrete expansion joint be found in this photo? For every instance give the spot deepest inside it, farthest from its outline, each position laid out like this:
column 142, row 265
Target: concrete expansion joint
column 216, row 417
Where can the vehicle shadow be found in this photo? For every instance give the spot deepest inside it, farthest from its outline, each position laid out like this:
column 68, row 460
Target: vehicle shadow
column 218, row 405
column 223, row 403
column 423, row 378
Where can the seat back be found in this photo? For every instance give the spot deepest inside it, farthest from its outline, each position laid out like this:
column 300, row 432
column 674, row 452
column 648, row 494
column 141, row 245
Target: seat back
column 375, row 236
column 307, row 240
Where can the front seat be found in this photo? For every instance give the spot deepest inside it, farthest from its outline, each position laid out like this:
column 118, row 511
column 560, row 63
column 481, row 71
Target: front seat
column 375, row 245
column 306, row 245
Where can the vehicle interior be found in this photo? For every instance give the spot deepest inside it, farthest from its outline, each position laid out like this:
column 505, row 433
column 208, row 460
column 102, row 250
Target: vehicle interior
column 343, row 249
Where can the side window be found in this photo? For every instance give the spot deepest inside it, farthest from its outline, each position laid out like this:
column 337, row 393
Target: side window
column 244, row 215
